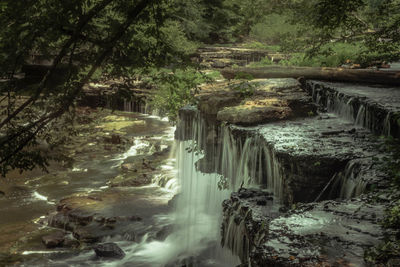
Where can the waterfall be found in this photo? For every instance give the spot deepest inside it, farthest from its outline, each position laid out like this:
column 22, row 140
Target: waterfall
column 387, row 125
column 361, row 116
column 199, row 206
column 239, row 158
column 135, row 106
column 250, row 162
column 195, row 237
column 236, row 240
column 334, row 101
column 349, row 183
column 352, row 183
column 339, row 104
column 357, row 109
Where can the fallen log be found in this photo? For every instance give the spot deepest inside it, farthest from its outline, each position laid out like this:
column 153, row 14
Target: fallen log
column 326, row 74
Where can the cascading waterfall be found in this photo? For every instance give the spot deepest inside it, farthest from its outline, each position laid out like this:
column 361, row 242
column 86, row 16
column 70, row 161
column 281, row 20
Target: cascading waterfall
column 241, row 159
column 245, row 160
column 236, row 240
column 352, row 184
column 251, row 164
column 363, row 114
column 135, row 106
column 339, row 104
column 196, row 232
column 349, row 181
column 199, row 207
column 387, row 125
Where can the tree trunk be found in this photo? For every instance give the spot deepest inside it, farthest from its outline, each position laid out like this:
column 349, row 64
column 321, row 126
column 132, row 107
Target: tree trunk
column 326, row 74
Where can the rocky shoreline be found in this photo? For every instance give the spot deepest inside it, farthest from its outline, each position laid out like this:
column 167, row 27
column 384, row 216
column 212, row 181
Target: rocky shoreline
column 100, row 196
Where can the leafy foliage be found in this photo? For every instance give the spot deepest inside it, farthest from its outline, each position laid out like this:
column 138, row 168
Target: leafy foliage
column 176, row 89
column 83, row 41
column 390, row 248
column 308, row 27
column 273, row 28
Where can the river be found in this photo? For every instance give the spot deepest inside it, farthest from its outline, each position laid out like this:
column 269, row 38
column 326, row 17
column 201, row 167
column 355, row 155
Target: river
column 185, row 232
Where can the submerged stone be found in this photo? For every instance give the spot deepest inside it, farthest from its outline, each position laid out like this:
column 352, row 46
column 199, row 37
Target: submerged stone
column 109, row 250
column 54, row 240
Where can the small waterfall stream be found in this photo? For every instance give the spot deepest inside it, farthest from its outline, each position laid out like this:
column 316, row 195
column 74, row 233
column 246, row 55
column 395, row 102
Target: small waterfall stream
column 355, row 109
column 349, row 181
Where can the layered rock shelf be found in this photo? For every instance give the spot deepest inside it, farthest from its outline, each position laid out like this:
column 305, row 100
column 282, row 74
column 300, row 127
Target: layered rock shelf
column 255, row 102
column 267, row 134
column 327, row 233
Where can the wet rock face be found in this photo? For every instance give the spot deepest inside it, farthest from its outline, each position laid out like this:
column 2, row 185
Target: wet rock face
column 313, row 234
column 245, row 219
column 256, row 101
column 374, row 107
column 109, row 250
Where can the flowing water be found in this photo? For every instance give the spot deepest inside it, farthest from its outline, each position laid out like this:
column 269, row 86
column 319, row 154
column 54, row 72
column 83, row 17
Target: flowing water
column 342, row 101
column 192, row 225
column 196, row 221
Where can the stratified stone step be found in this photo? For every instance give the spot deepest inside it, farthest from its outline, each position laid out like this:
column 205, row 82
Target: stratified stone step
column 324, row 155
column 322, row 160
column 376, row 108
column 328, row 233
column 255, row 102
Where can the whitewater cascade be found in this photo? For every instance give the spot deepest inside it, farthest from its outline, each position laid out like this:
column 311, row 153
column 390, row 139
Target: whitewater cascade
column 349, row 183
column 233, row 158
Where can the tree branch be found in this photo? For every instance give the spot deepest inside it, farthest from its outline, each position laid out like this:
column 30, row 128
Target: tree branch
column 132, row 15
column 83, row 21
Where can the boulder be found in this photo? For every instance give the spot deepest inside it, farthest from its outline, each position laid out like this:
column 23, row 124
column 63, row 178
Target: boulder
column 251, row 114
column 54, row 240
column 89, row 234
column 109, row 250
column 255, row 102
